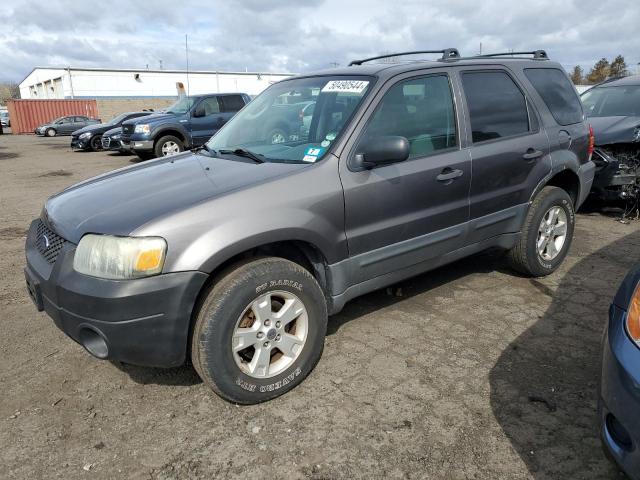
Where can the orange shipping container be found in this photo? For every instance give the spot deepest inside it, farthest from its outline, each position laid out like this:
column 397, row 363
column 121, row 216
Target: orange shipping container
column 26, row 115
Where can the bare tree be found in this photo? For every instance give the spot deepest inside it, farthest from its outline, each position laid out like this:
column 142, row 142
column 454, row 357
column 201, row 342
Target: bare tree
column 618, row 67
column 8, row 90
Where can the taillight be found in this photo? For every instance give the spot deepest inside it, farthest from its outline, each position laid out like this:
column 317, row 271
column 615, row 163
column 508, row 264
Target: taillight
column 633, row 316
column 592, row 142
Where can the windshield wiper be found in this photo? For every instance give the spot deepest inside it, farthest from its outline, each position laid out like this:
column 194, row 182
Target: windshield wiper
column 241, row 152
column 210, row 151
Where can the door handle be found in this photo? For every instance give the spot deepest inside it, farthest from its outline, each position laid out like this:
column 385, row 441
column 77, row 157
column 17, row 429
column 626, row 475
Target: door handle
column 532, row 154
column 449, row 174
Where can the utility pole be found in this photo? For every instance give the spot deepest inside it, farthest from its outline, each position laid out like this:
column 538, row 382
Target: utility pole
column 186, row 51
column 480, row 49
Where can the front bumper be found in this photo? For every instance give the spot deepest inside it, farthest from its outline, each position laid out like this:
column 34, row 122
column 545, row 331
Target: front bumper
column 134, row 143
column 144, row 321
column 619, row 401
column 80, row 143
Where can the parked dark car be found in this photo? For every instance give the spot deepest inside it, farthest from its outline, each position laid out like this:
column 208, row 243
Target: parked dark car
column 64, row 125
column 188, row 123
column 111, row 141
column 236, row 253
column 4, row 118
column 613, row 110
column 619, row 402
column 90, row 137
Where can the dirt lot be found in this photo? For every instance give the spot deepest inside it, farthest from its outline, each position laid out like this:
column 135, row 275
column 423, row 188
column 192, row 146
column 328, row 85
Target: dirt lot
column 467, row 372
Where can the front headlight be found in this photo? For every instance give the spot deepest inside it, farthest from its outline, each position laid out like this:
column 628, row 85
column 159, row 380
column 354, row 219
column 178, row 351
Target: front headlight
column 119, row 258
column 143, row 128
column 85, row 135
column 633, row 316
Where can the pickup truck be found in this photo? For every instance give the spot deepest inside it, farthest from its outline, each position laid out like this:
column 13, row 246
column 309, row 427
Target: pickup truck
column 187, row 124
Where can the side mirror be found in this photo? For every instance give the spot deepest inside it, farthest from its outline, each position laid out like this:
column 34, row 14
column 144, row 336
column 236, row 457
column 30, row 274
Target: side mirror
column 199, row 111
column 380, row 151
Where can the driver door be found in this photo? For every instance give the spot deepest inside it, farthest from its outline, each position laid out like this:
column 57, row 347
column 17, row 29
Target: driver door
column 402, row 214
column 206, row 120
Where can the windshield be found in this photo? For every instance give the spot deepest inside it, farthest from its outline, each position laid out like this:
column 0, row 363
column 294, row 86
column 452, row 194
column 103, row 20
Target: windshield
column 181, row 106
column 294, row 120
column 118, row 119
column 612, row 101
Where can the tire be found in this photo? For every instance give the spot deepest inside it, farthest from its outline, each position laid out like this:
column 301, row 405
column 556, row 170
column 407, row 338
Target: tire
column 166, row 144
column 229, row 304
column 526, row 257
column 50, row 132
column 277, row 135
column 145, row 155
column 96, row 143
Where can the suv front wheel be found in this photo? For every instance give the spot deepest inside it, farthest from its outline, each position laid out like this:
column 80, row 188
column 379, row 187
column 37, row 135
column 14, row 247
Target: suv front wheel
column 168, row 145
column 260, row 330
column 546, row 234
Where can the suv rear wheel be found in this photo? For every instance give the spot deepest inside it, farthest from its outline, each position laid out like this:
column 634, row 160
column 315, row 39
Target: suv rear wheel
column 168, row 145
column 260, row 330
column 546, row 234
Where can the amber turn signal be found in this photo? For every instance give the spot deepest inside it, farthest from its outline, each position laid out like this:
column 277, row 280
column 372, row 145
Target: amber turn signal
column 633, row 315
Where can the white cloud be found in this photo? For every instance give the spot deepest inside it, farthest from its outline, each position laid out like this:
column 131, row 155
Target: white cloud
column 288, row 35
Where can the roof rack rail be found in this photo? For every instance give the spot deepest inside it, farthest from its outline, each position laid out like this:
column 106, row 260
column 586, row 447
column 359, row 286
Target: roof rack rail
column 447, row 53
column 537, row 54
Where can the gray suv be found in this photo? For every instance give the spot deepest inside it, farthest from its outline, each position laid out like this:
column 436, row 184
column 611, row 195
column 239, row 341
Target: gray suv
column 233, row 256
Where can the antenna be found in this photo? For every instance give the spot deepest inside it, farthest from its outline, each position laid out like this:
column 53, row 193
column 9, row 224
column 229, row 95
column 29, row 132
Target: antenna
column 186, row 51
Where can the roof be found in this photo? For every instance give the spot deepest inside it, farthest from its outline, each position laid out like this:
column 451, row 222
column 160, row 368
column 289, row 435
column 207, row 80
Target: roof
column 390, row 69
column 145, row 70
column 620, row 82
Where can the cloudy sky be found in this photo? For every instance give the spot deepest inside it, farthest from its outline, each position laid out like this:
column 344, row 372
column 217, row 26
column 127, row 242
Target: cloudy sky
column 302, row 35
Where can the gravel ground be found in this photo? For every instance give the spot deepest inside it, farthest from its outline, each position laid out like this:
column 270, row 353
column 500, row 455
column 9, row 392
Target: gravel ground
column 466, row 372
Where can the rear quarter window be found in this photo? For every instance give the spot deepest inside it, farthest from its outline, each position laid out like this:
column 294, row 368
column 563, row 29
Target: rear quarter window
column 557, row 93
column 232, row 103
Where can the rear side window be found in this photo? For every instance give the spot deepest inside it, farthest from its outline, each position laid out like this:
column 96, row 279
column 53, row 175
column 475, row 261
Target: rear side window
column 555, row 89
column 232, row 103
column 497, row 107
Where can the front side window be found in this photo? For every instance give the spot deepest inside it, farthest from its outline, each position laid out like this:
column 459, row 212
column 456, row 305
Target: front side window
column 419, row 109
column 557, row 93
column 279, row 126
column 497, row 107
column 621, row 101
column 208, row 106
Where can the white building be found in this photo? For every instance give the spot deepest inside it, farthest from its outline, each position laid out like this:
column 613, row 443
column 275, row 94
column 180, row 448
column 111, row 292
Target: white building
column 70, row 82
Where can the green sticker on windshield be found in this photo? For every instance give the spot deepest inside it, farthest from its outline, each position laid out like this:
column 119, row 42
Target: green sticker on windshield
column 312, row 154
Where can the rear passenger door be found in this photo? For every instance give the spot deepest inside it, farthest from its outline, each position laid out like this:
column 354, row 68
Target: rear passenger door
column 405, row 213
column 509, row 150
column 80, row 122
column 565, row 126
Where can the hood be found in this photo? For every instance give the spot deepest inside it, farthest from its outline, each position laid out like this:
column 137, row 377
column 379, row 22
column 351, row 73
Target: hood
column 154, row 117
column 119, row 202
column 608, row 130
column 112, row 131
column 95, row 128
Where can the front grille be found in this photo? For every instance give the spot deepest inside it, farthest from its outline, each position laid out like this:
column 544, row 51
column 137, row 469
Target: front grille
column 106, row 141
column 48, row 242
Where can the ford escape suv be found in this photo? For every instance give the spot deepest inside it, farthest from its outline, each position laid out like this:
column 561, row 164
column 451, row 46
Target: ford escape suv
column 234, row 255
